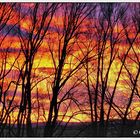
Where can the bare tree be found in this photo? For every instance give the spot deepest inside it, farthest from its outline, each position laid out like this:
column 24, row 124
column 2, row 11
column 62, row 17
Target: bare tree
column 132, row 41
column 6, row 95
column 73, row 17
column 105, row 25
column 40, row 16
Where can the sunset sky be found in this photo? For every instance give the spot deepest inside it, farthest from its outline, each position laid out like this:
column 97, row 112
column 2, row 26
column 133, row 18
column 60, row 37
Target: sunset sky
column 43, row 70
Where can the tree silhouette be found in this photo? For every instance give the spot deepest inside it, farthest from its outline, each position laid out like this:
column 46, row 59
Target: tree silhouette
column 73, row 17
column 34, row 38
column 62, row 61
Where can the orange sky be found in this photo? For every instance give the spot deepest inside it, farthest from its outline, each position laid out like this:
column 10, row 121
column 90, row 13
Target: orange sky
column 43, row 68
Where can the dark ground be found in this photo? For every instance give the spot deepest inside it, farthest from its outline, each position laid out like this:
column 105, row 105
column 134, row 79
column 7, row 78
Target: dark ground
column 115, row 129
